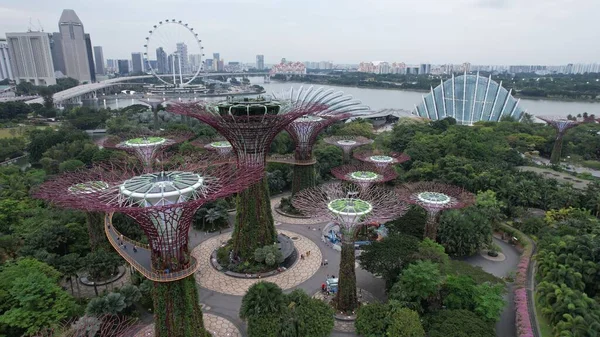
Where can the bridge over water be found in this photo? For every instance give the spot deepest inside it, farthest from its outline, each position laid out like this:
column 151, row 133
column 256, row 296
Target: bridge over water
column 85, row 90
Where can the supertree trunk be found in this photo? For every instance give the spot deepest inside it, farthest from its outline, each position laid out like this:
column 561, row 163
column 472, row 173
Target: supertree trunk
column 346, row 299
column 95, row 226
column 431, row 225
column 305, row 176
column 557, row 149
column 254, row 227
column 177, row 311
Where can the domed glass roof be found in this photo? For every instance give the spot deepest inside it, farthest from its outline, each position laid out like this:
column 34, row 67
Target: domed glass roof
column 469, row 99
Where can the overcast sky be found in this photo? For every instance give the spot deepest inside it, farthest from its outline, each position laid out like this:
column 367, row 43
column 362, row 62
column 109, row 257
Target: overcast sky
column 342, row 31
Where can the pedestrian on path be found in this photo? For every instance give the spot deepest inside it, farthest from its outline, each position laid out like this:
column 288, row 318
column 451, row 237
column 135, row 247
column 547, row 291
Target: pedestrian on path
column 325, row 262
column 134, row 248
column 301, row 256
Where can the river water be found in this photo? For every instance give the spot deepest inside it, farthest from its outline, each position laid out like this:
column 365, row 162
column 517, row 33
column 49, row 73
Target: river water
column 401, row 99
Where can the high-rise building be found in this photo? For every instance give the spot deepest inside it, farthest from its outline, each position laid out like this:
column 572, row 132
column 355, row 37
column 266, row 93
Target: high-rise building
column 56, row 49
column 162, row 65
column 195, row 63
column 99, row 58
column 209, row 64
column 31, row 58
column 112, row 66
column 260, row 62
column 5, row 67
column 425, row 68
column 90, row 56
column 216, row 59
column 123, row 67
column 137, row 63
column 182, row 51
column 73, row 41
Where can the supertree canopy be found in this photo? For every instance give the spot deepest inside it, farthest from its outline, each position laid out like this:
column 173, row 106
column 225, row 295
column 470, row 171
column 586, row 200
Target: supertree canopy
column 163, row 204
column 363, row 174
column 381, row 161
column 250, row 126
column 347, row 143
column 146, row 147
column 561, row 124
column 216, row 144
column 434, row 198
column 350, row 207
column 304, row 130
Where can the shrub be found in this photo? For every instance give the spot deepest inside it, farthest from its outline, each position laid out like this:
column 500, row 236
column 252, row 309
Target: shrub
column 371, row 319
column 458, row 323
column 405, row 323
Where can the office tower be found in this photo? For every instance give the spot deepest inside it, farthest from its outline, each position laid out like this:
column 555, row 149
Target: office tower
column 5, row 67
column 137, row 63
column 74, row 49
column 162, row 65
column 31, row 58
column 221, row 65
column 216, row 58
column 182, row 51
column 425, row 68
column 99, row 58
column 56, row 49
column 209, row 64
column 260, row 62
column 88, row 49
column 123, row 67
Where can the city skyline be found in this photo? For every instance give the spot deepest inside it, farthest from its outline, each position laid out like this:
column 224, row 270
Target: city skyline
column 508, row 31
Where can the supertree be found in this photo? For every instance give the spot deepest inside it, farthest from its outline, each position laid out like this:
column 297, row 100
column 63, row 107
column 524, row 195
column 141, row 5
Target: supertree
column 347, row 143
column 434, row 198
column 216, row 144
column 102, row 326
column 163, row 204
column 250, row 126
column 146, row 147
column 363, row 174
column 561, row 124
column 304, row 130
column 350, row 207
column 381, row 161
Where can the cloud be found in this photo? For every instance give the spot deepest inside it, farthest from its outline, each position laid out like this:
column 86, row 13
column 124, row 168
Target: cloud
column 498, row 4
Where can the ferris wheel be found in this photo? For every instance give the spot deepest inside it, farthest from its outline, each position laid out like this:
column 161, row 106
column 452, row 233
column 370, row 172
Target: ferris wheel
column 174, row 53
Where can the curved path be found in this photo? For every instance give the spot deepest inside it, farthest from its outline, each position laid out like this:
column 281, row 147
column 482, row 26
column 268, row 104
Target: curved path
column 212, row 279
column 505, row 327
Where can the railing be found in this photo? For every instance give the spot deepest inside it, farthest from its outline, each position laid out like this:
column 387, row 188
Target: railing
column 153, row 275
column 289, row 159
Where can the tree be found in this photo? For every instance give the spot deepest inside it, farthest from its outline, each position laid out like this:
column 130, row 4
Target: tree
column 488, row 301
column 38, row 302
column 101, row 263
column 464, row 232
column 411, row 223
column 405, row 323
column 70, row 165
column 419, row 282
column 262, row 298
column 458, row 292
column 389, row 256
column 267, row 325
column 458, row 323
column 371, row 319
column 309, row 317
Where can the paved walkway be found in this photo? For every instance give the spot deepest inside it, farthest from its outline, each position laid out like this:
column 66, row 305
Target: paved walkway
column 212, row 279
column 286, row 219
column 217, row 325
column 505, row 327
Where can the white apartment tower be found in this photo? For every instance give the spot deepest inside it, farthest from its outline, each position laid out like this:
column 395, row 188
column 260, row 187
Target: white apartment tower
column 31, row 58
column 72, row 40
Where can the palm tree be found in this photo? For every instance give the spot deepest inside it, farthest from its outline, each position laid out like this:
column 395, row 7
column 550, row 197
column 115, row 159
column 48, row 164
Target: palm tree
column 571, row 326
column 213, row 215
column 262, row 298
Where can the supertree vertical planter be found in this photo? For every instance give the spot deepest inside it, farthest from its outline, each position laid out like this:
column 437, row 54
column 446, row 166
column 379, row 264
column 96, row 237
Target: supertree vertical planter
column 364, row 175
column 348, row 143
column 147, row 147
column 435, row 198
column 250, row 126
column 163, row 204
column 561, row 124
column 381, row 161
column 350, row 207
column 304, row 130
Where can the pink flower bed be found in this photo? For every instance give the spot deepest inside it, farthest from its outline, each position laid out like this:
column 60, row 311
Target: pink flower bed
column 522, row 314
